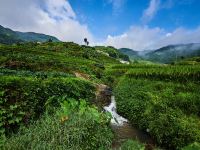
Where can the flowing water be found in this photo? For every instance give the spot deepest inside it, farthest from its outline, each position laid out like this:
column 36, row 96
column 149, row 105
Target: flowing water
column 124, row 130
column 116, row 119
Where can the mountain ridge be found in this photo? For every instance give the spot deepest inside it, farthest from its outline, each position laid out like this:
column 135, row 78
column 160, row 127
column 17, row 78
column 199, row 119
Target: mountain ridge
column 166, row 54
column 9, row 36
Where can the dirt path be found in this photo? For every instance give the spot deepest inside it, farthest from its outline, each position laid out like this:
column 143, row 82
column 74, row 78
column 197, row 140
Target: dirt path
column 82, row 75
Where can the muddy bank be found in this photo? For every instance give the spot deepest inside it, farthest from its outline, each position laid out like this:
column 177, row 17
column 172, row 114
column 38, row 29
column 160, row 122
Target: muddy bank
column 127, row 131
column 103, row 95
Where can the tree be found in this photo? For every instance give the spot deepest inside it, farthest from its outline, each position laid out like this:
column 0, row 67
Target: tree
column 50, row 40
column 86, row 41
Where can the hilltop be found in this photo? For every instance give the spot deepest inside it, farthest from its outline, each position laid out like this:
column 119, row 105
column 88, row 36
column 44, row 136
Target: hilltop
column 62, row 56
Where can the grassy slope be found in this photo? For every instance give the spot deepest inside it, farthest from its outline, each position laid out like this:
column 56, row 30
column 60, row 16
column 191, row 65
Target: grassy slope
column 162, row 99
column 34, row 75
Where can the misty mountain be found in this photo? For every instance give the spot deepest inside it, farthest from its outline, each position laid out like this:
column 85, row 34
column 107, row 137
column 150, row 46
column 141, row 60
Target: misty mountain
column 166, row 54
column 133, row 55
column 8, row 36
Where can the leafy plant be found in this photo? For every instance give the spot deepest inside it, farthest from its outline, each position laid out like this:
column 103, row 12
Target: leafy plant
column 73, row 126
column 132, row 145
column 169, row 110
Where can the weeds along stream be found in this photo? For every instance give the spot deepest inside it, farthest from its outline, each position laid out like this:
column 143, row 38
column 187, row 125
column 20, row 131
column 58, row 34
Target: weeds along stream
column 121, row 127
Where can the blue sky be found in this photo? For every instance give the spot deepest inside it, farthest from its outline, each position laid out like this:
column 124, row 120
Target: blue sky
column 103, row 18
column 135, row 24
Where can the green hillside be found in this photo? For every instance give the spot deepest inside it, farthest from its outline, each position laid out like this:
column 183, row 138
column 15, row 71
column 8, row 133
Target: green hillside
column 160, row 99
column 38, row 79
column 133, row 55
column 167, row 54
column 8, row 36
column 50, row 98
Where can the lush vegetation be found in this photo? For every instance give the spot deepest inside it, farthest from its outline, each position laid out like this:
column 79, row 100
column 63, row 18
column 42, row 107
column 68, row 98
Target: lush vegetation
column 44, row 105
column 132, row 145
column 55, row 57
column 163, row 100
column 112, row 52
column 193, row 146
column 23, row 99
column 75, row 125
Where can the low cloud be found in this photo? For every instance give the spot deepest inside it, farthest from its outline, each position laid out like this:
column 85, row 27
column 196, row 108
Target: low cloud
column 53, row 17
column 145, row 38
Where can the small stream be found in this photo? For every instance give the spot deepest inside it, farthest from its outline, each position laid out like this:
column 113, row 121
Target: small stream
column 116, row 119
column 124, row 130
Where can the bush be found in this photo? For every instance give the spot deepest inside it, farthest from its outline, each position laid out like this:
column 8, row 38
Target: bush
column 157, row 106
column 75, row 126
column 132, row 145
column 23, row 99
column 194, row 146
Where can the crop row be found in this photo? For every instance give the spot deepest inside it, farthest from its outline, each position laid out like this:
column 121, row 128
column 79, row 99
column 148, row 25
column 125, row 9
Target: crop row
column 168, row 111
column 171, row 73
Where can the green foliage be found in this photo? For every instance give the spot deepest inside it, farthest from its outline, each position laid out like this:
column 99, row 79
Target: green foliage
column 194, row 146
column 167, row 73
column 132, row 145
column 114, row 72
column 23, row 99
column 189, row 61
column 75, row 126
column 113, row 52
column 63, row 57
column 168, row 110
column 35, row 75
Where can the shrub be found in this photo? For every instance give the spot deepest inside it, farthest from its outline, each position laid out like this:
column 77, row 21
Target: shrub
column 23, row 99
column 132, row 145
column 154, row 105
column 194, row 146
column 75, row 126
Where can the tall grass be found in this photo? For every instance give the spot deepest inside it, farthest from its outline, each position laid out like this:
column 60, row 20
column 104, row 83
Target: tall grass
column 74, row 126
column 168, row 110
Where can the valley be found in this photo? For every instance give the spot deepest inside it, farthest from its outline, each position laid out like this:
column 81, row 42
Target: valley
column 60, row 89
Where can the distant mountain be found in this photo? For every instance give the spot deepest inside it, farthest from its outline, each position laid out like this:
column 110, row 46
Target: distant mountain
column 167, row 54
column 133, row 55
column 172, row 53
column 8, row 36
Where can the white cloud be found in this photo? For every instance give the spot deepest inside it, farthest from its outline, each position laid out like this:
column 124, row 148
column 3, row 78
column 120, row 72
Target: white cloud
column 53, row 17
column 56, row 17
column 151, row 11
column 145, row 38
column 60, row 8
column 168, row 34
column 117, row 5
